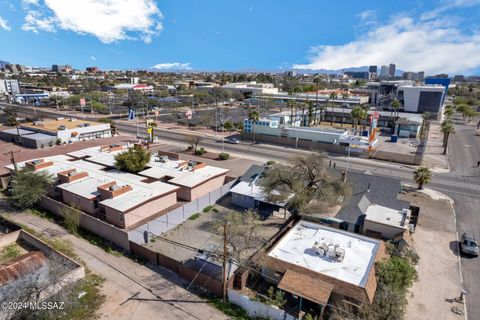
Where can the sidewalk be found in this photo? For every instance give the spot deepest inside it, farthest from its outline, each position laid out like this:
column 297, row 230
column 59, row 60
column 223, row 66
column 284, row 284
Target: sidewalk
column 434, row 157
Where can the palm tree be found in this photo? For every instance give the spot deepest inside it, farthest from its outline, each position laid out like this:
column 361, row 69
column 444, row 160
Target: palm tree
column 448, row 112
column 425, row 116
column 345, row 96
column 311, row 113
column 447, row 127
column 253, row 116
column 422, row 176
column 358, row 114
column 396, row 104
column 333, row 96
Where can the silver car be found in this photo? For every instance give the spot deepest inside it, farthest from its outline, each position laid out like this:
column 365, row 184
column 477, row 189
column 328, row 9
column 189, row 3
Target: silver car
column 469, row 244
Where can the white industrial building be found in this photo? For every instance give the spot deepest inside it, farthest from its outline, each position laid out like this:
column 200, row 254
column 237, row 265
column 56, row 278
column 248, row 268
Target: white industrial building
column 251, row 88
column 421, row 98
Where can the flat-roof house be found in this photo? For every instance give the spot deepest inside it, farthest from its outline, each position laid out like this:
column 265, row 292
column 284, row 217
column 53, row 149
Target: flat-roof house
column 194, row 179
column 124, row 198
column 323, row 264
column 386, row 223
column 88, row 180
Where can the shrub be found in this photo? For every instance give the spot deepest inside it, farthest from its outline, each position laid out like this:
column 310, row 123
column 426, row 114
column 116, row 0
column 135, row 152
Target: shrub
column 207, row 208
column 270, row 162
column 200, row 151
column 28, row 187
column 223, row 156
column 58, row 142
column 194, row 216
column 134, row 160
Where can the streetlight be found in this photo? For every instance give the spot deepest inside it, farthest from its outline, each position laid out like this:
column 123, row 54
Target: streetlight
column 223, row 137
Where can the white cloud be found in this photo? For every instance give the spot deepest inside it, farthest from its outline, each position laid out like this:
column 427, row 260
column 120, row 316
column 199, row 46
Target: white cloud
column 93, row 58
column 108, row 20
column 173, row 66
column 434, row 46
column 35, row 22
column 4, row 24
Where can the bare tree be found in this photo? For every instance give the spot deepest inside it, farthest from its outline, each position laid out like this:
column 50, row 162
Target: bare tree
column 243, row 234
column 194, row 142
column 305, row 185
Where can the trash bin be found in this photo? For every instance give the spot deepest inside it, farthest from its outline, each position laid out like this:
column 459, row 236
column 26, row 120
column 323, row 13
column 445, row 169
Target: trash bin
column 394, row 139
column 365, row 133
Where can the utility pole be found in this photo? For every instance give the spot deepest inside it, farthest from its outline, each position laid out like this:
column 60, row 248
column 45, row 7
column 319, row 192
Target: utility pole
column 12, row 159
column 225, row 252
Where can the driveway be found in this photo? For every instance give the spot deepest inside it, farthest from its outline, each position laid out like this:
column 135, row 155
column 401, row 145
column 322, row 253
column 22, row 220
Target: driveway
column 160, row 293
column 435, row 242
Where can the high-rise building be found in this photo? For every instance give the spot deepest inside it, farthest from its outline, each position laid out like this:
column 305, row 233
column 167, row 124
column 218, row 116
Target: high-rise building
column 384, row 72
column 372, row 69
column 391, row 70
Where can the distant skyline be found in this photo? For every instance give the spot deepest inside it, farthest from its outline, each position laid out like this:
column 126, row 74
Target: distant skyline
column 435, row 36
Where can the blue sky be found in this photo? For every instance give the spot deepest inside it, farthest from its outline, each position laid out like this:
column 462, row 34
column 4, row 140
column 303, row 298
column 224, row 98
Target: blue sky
column 434, row 36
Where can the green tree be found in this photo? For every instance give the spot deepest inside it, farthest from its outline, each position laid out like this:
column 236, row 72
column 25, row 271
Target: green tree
column 310, row 113
column 448, row 112
column 396, row 104
column 463, row 109
column 422, row 176
column 447, row 128
column 253, row 116
column 28, row 187
column 333, row 96
column 133, row 160
column 228, row 125
column 358, row 114
column 397, row 272
column 98, row 107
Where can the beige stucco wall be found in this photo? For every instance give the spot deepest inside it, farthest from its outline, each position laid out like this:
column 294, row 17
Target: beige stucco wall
column 388, row 232
column 202, row 189
column 83, row 203
column 150, row 208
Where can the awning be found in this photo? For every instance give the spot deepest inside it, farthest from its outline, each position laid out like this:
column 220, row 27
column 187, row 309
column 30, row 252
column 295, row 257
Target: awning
column 305, row 286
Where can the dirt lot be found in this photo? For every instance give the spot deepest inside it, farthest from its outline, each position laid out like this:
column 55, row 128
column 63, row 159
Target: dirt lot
column 435, row 242
column 200, row 233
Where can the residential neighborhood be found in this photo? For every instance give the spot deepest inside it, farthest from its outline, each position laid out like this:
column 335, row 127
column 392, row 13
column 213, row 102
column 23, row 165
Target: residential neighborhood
column 246, row 180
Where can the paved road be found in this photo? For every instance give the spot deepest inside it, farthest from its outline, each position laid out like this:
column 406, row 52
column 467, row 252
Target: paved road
column 160, row 295
column 464, row 148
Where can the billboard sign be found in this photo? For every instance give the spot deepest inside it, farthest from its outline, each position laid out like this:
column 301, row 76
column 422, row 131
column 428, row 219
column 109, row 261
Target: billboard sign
column 82, row 102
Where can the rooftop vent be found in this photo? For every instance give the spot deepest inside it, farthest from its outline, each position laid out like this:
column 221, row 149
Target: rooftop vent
column 329, row 250
column 38, row 123
column 114, row 187
column 72, row 173
column 62, row 127
column 35, row 162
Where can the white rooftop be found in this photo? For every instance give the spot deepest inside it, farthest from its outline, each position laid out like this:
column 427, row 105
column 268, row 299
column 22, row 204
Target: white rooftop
column 252, row 189
column 156, row 168
column 87, row 187
column 296, row 247
column 388, row 216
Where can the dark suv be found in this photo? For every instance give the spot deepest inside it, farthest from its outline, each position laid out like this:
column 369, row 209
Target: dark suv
column 469, row 244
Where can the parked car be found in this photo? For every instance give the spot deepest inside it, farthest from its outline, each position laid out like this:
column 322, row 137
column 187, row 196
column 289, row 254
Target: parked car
column 469, row 244
column 232, row 140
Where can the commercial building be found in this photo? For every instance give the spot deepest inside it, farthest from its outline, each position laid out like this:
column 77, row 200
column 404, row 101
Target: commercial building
column 251, row 88
column 324, row 265
column 420, row 99
column 70, row 130
column 134, row 87
column 358, row 74
column 9, row 87
column 391, row 70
